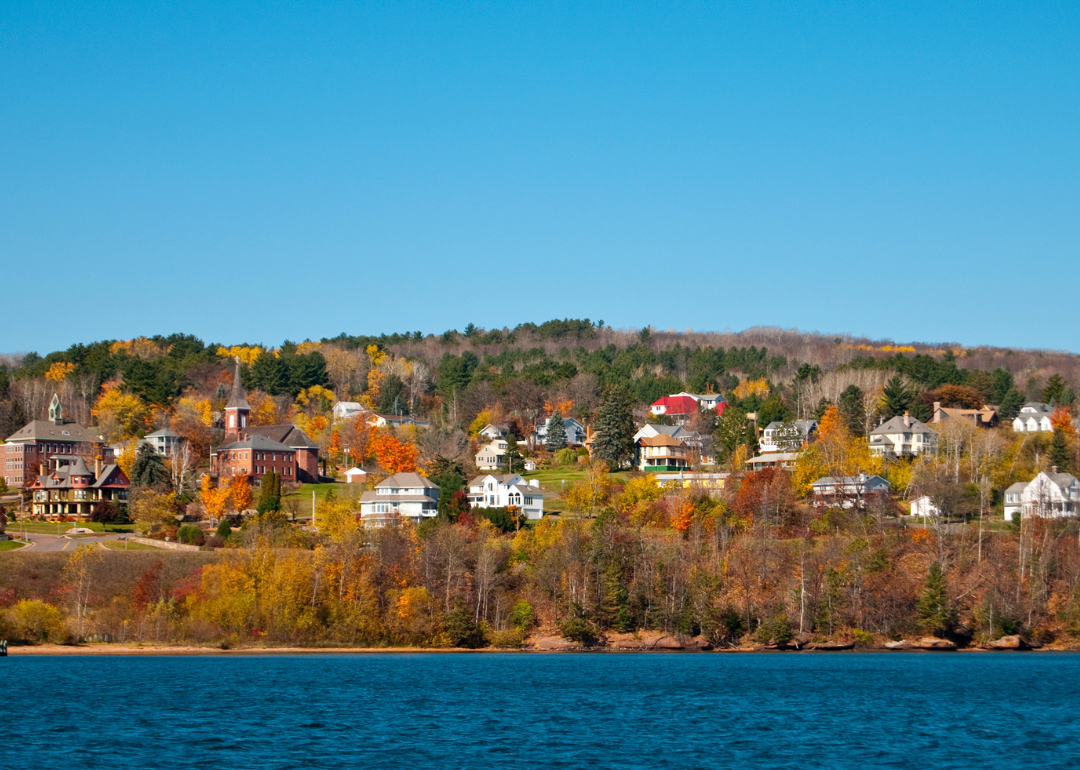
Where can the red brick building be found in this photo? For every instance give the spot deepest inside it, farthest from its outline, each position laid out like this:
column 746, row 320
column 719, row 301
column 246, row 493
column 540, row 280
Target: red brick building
column 44, row 445
column 257, row 450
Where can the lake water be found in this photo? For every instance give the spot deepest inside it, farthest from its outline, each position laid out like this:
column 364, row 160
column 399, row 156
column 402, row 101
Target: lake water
column 839, row 710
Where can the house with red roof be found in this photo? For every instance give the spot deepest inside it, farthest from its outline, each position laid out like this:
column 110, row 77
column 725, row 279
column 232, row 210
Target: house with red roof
column 685, row 405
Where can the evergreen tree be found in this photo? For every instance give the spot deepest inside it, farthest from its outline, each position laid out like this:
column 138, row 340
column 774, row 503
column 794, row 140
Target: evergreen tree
column 897, row 398
column 1059, row 451
column 852, row 410
column 1010, row 404
column 149, row 468
column 933, row 605
column 270, row 494
column 1054, row 389
column 822, row 407
column 615, row 428
column 556, row 433
column 514, row 463
column 1003, row 383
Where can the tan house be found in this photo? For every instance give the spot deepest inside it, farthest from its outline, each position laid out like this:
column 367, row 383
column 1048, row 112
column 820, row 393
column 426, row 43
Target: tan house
column 986, row 417
column 663, row 453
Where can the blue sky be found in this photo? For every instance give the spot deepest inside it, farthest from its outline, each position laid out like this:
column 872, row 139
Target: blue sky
column 268, row 171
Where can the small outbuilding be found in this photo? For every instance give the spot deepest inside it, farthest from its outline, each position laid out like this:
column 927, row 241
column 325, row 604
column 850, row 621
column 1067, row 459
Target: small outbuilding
column 355, row 476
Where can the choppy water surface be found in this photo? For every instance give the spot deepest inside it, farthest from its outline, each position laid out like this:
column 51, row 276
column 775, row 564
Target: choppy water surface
column 562, row 711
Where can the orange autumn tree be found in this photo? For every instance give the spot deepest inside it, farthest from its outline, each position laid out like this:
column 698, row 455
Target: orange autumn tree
column 214, row 498
column 357, row 435
column 240, row 489
column 394, row 456
column 1060, row 419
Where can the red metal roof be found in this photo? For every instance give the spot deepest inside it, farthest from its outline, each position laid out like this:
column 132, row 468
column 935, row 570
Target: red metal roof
column 678, row 404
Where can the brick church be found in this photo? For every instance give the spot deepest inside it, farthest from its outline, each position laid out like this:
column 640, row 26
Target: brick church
column 257, row 450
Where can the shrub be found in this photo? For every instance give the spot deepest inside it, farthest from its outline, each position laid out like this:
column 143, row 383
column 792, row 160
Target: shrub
column 224, row 529
column 190, row 534
column 775, row 629
column 577, row 628
column 459, row 627
column 862, row 638
column 36, row 621
column 565, row 457
column 522, row 616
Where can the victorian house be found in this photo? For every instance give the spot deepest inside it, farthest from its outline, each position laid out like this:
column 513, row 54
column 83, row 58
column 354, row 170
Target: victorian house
column 72, row 490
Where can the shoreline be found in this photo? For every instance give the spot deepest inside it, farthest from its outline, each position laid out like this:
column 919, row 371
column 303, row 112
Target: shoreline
column 105, row 650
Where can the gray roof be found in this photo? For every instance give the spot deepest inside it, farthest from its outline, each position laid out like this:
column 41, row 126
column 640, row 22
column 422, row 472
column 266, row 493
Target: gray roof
column 289, row 435
column 405, row 480
column 61, row 478
column 828, row 481
column 1038, row 406
column 896, row 425
column 163, row 433
column 237, row 400
column 502, row 478
column 373, row 497
column 50, row 431
column 262, row 443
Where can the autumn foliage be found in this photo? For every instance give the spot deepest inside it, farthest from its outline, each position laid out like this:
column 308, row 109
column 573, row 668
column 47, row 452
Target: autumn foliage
column 393, row 455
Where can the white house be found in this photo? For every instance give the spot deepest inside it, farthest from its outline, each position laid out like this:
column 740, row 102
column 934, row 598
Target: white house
column 575, row 432
column 786, row 437
column 922, row 506
column 1034, row 417
column 773, row 460
column 397, row 421
column 1050, row 495
column 403, row 495
column 490, row 456
column 355, row 476
column 492, row 432
column 491, row 491
column 346, row 410
column 164, row 441
column 848, row 491
column 903, row 436
column 649, row 430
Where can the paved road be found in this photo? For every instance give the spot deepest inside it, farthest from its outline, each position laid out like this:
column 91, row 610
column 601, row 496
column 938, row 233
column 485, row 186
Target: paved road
column 54, row 543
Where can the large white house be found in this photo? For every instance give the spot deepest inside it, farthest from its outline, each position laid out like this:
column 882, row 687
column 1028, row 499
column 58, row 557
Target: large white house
column 1051, row 495
column 492, row 491
column 575, row 432
column 492, row 432
column 490, row 456
column 1034, row 417
column 403, row 495
column 903, row 436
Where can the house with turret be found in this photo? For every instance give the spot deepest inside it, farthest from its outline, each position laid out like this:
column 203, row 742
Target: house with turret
column 44, row 445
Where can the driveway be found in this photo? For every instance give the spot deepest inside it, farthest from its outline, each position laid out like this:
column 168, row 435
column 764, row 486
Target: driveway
column 61, row 543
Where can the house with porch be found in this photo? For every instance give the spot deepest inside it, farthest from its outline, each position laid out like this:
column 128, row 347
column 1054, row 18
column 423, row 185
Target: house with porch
column 72, row 489
column 506, row 491
column 403, row 496
column 663, row 453
column 903, row 436
column 1049, row 495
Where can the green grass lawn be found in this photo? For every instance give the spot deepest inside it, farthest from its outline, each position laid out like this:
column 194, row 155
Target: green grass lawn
column 552, row 479
column 49, row 528
column 303, row 495
column 10, row 545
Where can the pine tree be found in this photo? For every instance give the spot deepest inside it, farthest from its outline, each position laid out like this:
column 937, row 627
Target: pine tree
column 1054, row 389
column 1010, row 404
column 270, row 494
column 555, row 439
column 149, row 468
column 852, row 410
column 933, row 605
column 897, row 398
column 1059, row 451
column 615, row 428
column 513, row 456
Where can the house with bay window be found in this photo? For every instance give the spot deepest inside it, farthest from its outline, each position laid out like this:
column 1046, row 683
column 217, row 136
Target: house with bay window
column 407, row 496
column 505, row 491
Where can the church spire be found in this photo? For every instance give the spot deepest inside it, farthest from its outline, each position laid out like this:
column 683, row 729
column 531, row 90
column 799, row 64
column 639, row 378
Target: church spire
column 237, row 408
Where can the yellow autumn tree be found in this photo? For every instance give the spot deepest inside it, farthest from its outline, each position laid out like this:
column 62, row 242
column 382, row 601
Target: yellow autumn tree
column 120, row 415
column 59, row 371
column 376, row 375
column 747, row 388
column 247, row 354
column 264, row 409
column 482, row 421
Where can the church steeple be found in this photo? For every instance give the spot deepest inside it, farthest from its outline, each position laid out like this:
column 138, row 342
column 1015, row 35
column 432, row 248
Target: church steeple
column 236, row 410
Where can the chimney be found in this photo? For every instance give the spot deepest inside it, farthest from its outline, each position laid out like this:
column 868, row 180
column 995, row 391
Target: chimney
column 937, row 407
column 1053, row 469
column 41, row 469
column 907, row 419
column 97, row 466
